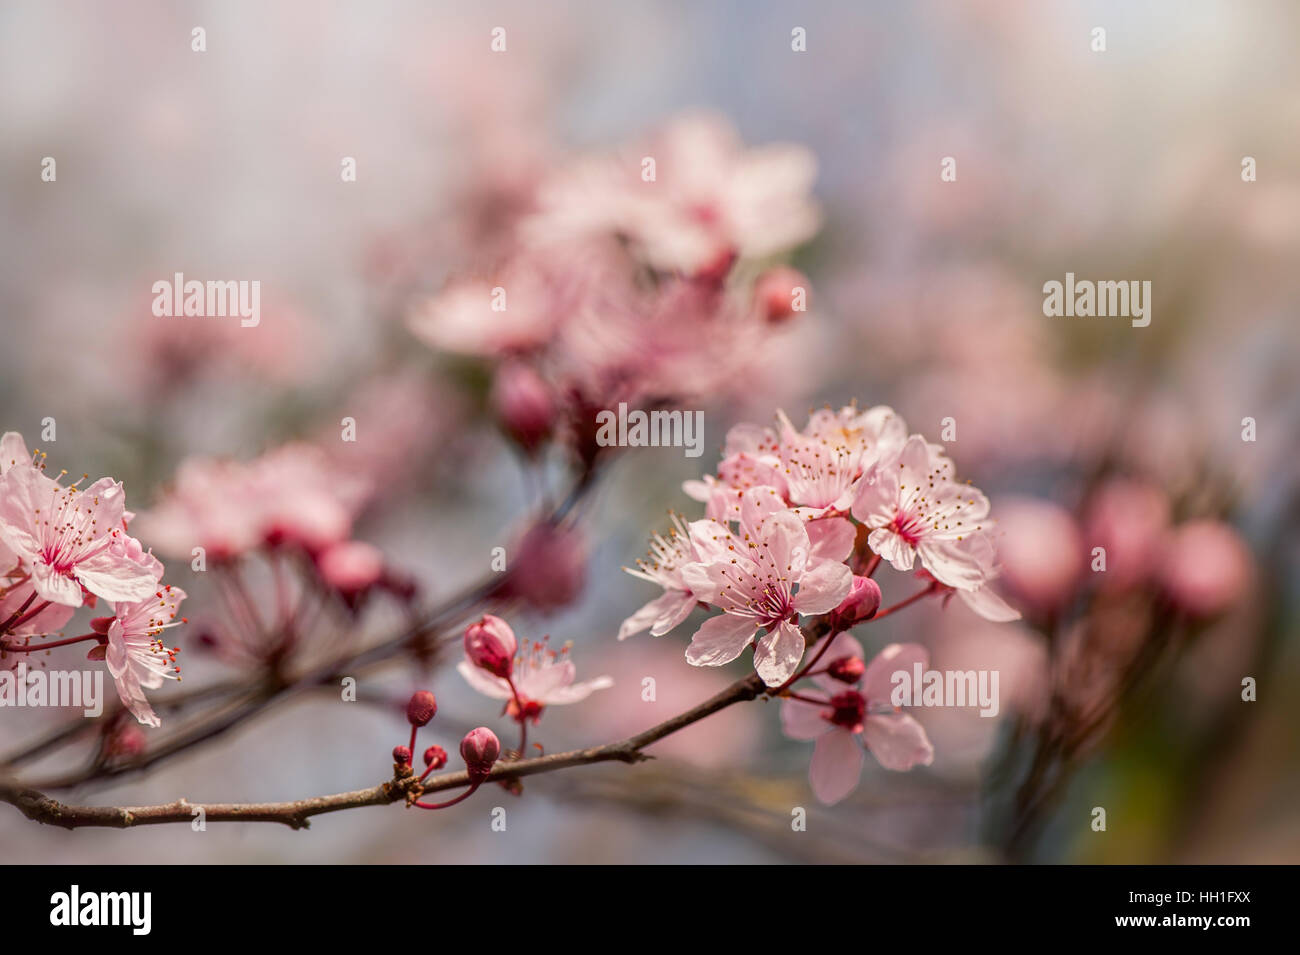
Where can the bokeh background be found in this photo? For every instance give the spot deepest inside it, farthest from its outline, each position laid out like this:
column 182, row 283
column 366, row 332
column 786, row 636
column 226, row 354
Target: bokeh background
column 926, row 296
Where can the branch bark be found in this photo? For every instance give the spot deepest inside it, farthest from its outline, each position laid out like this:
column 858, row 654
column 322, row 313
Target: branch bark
column 39, row 807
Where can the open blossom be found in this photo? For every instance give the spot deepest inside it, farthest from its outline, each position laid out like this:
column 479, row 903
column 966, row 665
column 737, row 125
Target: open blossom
column 667, row 556
column 541, row 677
column 291, row 495
column 817, row 468
column 136, row 656
column 71, row 540
column 762, row 578
column 914, row 508
column 848, row 721
column 711, row 198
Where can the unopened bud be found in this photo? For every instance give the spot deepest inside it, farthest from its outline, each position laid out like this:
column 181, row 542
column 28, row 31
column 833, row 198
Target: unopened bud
column 780, row 292
column 480, row 749
column 490, row 645
column 435, row 757
column 861, row 604
column 421, row 709
column 846, row 669
column 402, row 755
column 523, row 404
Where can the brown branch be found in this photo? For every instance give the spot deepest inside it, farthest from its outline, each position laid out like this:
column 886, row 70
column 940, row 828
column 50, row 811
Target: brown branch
column 37, row 806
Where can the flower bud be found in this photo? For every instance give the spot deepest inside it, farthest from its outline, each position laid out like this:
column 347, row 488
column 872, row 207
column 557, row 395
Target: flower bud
column 549, row 569
column 480, row 749
column 351, row 567
column 777, row 293
column 402, row 755
column 421, row 709
column 435, row 757
column 523, row 404
column 861, row 604
column 1206, row 568
column 846, row 669
column 490, row 645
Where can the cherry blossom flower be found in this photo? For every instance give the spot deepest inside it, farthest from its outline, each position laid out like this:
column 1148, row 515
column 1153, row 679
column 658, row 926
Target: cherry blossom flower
column 541, row 677
column 136, row 656
column 666, row 558
column 762, row 578
column 711, row 199
column 73, row 540
column 914, row 508
column 845, row 722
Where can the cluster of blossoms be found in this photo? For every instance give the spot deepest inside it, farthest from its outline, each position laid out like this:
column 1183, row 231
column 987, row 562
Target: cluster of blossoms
column 647, row 277
column 528, row 677
column 293, row 506
column 64, row 546
column 796, row 523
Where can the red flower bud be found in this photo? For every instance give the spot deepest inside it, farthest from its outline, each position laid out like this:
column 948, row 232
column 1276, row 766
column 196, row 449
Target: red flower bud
column 435, row 757
column 861, row 604
column 523, row 404
column 846, row 669
column 490, row 645
column 421, row 709
column 402, row 755
column 480, row 749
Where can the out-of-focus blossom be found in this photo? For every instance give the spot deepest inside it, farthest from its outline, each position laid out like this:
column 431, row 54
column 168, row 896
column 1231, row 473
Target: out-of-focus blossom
column 549, row 567
column 778, row 291
column 1129, row 519
column 844, row 721
column 351, row 567
column 136, row 656
column 1041, row 551
column 1204, row 567
column 541, row 677
column 710, row 200
column 523, row 404
column 291, row 495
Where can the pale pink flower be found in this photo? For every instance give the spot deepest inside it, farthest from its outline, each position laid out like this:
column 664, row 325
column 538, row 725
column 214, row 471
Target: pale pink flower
column 711, row 199
column 541, row 676
column 1128, row 519
column 136, row 656
column 850, row 720
column 73, row 540
column 351, row 567
column 914, row 508
column 663, row 566
column 762, row 578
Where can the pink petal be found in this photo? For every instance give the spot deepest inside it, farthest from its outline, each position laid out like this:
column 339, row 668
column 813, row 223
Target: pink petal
column 720, row 640
column 800, row 720
column 832, row 537
column 483, row 682
column 823, row 586
column 777, row 654
column 897, row 741
column 836, row 765
column 876, row 685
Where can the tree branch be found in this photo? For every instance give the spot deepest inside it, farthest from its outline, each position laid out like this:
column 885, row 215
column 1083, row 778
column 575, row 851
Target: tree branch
column 37, row 806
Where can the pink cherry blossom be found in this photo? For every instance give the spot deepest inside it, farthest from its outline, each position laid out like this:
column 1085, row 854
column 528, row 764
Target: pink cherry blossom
column 666, row 558
column 844, row 721
column 762, row 578
column 136, row 656
column 711, row 199
column 72, row 540
column 914, row 508
column 541, row 677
